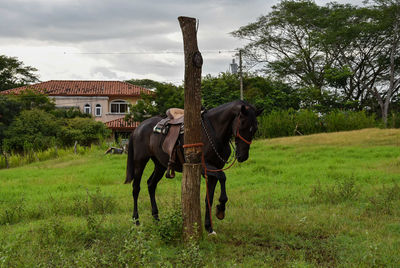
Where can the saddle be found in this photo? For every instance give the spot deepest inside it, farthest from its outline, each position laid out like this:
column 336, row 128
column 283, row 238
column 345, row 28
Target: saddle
column 171, row 127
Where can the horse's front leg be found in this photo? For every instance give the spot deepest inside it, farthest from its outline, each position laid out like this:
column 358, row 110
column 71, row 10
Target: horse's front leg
column 220, row 213
column 211, row 183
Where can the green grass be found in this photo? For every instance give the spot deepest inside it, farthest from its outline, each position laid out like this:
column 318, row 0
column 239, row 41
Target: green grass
column 309, row 201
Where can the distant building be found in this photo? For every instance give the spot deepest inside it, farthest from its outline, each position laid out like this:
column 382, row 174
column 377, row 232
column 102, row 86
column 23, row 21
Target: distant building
column 106, row 101
column 234, row 67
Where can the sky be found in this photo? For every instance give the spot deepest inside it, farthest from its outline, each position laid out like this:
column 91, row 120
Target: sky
column 123, row 39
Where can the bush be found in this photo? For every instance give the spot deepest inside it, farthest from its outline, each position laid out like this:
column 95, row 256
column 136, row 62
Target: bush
column 394, row 120
column 170, row 226
column 277, row 124
column 32, row 130
column 308, row 122
column 305, row 122
column 347, row 120
column 84, row 130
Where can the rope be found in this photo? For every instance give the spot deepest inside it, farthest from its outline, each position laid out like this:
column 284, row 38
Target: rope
column 203, row 163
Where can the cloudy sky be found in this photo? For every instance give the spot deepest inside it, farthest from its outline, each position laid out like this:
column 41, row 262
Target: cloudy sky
column 122, row 39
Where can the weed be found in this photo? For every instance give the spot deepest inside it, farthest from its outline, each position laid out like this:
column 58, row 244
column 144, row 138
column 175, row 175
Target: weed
column 385, row 200
column 342, row 191
column 190, row 255
column 13, row 213
column 136, row 249
column 101, row 203
column 169, row 228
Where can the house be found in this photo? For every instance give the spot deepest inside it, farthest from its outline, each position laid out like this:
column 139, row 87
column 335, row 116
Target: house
column 106, row 101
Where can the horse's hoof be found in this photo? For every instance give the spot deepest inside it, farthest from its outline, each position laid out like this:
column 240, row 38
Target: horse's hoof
column 220, row 214
column 137, row 223
column 213, row 233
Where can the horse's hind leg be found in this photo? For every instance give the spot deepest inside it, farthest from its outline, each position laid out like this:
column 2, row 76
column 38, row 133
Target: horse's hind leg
column 152, row 182
column 137, row 177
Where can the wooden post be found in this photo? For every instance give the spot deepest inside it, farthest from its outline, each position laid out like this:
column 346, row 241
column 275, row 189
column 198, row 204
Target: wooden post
column 192, row 168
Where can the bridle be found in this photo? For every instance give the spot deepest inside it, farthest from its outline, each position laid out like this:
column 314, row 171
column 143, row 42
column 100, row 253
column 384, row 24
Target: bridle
column 237, row 135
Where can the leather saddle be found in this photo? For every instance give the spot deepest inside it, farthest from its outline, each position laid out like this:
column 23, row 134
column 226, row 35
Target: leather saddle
column 172, row 127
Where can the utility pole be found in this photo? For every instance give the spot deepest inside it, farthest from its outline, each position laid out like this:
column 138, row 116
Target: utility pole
column 241, row 74
column 191, row 175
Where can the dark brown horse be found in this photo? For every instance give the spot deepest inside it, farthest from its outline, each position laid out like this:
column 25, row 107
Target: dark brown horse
column 219, row 124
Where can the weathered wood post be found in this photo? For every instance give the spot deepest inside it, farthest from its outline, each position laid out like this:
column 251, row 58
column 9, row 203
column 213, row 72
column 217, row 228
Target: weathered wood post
column 192, row 168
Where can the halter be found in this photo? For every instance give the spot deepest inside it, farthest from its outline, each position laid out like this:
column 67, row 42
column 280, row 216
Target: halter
column 238, row 134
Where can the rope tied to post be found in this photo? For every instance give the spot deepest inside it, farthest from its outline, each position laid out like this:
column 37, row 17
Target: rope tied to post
column 203, row 163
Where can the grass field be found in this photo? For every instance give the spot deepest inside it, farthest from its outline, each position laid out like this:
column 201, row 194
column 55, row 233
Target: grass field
column 319, row 200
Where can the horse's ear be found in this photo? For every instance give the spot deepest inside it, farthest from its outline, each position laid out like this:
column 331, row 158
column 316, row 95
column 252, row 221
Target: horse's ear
column 259, row 111
column 244, row 110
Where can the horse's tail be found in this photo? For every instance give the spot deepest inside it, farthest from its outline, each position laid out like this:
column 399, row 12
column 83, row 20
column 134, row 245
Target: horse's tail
column 130, row 163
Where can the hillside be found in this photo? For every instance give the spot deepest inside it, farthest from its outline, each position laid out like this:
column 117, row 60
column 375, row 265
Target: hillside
column 319, row 200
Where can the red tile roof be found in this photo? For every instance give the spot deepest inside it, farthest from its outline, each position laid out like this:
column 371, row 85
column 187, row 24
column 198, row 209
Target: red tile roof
column 83, row 88
column 120, row 123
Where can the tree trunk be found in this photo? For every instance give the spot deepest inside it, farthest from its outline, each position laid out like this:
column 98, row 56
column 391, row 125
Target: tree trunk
column 192, row 168
column 6, row 159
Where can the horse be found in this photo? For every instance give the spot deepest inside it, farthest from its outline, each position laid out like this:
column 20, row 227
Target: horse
column 237, row 119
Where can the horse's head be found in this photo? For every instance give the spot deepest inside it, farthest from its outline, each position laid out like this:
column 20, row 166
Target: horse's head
column 244, row 129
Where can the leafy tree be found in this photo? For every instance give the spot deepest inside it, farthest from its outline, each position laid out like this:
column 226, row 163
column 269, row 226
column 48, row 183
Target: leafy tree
column 83, row 130
column 387, row 84
column 286, row 41
column 165, row 96
column 12, row 105
column 13, row 73
column 32, row 130
column 9, row 109
column 260, row 91
column 220, row 89
column 342, row 49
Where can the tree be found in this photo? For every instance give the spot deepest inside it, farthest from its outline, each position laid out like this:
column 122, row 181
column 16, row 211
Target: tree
column 12, row 105
column 286, row 41
column 388, row 81
column 336, row 48
column 260, row 91
column 165, row 96
column 32, row 130
column 13, row 73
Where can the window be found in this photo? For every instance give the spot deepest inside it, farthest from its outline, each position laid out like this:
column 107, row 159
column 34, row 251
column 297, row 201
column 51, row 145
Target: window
column 119, row 107
column 87, row 109
column 98, row 110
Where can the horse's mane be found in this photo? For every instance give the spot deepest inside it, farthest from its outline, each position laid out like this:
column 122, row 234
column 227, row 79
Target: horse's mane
column 225, row 106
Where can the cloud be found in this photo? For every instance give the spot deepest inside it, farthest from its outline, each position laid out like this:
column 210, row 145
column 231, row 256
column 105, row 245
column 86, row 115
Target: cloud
column 61, row 37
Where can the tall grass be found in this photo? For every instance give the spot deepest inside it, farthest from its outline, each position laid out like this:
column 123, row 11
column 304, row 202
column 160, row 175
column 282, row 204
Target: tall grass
column 305, row 122
column 17, row 160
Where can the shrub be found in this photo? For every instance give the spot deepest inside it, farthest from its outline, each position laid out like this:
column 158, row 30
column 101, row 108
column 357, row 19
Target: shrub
column 170, row 226
column 394, row 120
column 308, row 122
column 277, row 124
column 84, row 130
column 347, row 120
column 305, row 122
column 32, row 130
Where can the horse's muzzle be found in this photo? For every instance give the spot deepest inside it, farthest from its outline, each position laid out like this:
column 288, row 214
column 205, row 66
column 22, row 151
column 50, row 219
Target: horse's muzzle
column 242, row 158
